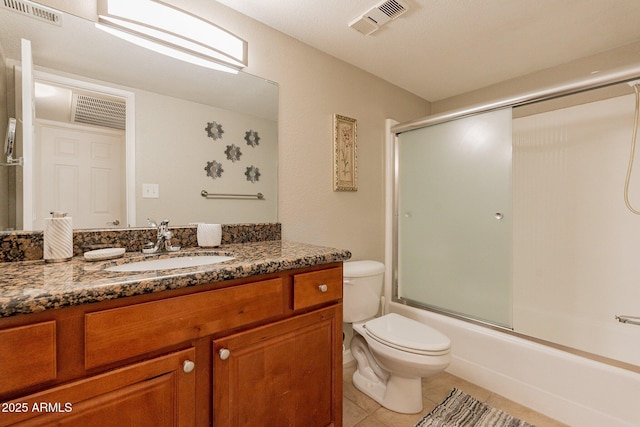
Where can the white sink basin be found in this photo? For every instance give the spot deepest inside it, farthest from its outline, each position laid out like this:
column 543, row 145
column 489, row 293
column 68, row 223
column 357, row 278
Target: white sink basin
column 170, row 263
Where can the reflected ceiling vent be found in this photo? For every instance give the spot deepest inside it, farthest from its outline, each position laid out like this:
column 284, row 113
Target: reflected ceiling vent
column 378, row 16
column 33, row 10
column 92, row 110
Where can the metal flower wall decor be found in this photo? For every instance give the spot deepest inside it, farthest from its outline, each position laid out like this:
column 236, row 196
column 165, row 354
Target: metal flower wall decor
column 214, row 130
column 214, row 169
column 252, row 138
column 252, row 174
column 233, row 153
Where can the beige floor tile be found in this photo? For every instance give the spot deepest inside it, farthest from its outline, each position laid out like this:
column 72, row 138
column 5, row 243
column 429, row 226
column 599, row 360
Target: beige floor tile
column 392, row 419
column 362, row 411
column 349, row 391
column 521, row 412
column 429, row 405
column 352, row 414
column 441, row 386
column 371, row 421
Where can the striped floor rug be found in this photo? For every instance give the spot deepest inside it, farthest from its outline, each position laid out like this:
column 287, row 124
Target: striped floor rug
column 461, row 410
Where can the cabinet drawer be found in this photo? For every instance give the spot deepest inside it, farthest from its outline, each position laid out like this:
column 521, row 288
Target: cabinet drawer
column 317, row 287
column 27, row 355
column 120, row 333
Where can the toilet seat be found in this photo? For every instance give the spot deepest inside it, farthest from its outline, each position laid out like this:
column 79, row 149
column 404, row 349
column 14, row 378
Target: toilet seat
column 408, row 335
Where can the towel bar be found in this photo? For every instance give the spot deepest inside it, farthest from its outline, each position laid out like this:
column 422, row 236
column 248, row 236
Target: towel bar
column 632, row 320
column 208, row 195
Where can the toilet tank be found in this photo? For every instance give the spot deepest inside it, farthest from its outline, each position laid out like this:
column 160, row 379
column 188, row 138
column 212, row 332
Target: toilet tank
column 362, row 289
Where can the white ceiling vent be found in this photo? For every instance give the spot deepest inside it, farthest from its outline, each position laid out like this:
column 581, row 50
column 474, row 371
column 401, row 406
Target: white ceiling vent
column 364, row 26
column 379, row 15
column 33, row 10
column 96, row 111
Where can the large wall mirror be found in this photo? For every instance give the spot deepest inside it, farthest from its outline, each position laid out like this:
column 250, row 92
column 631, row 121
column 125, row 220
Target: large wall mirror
column 122, row 134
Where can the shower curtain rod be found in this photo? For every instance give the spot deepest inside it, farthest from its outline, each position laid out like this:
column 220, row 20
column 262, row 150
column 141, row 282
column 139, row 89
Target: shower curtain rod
column 618, row 75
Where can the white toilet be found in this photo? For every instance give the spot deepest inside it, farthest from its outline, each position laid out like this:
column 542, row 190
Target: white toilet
column 393, row 353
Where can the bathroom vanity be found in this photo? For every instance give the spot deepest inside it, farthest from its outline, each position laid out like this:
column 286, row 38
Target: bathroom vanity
column 252, row 341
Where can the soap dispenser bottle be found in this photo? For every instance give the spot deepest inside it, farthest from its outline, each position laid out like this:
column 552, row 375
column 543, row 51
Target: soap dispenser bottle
column 58, row 237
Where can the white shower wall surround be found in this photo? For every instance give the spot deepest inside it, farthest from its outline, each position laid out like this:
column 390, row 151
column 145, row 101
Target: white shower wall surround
column 575, row 245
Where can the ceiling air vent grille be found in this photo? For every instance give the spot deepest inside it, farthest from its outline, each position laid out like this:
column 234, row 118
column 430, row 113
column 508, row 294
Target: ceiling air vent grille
column 95, row 111
column 379, row 15
column 392, row 8
column 33, row 10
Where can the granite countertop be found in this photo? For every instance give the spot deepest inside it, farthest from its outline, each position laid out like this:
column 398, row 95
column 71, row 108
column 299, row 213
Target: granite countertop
column 34, row 286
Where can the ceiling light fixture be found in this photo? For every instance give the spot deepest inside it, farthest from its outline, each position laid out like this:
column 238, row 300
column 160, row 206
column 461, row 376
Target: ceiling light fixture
column 158, row 26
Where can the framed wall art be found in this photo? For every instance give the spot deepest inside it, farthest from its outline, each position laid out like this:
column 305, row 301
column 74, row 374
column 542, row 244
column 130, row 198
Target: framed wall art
column 345, row 167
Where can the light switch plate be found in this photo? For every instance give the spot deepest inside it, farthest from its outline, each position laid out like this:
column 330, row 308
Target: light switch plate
column 150, row 191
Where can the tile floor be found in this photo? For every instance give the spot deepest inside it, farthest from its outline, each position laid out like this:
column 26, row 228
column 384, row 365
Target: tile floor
column 361, row 411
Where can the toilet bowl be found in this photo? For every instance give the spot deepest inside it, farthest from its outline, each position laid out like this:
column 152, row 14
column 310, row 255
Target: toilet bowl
column 392, row 353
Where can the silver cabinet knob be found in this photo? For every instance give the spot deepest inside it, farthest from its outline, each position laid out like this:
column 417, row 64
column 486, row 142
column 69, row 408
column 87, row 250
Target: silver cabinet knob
column 188, row 366
column 323, row 288
column 224, row 353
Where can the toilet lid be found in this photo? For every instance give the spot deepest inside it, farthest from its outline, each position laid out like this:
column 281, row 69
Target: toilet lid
column 407, row 334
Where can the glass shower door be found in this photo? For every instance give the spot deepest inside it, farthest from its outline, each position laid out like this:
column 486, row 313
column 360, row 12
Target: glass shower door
column 454, row 217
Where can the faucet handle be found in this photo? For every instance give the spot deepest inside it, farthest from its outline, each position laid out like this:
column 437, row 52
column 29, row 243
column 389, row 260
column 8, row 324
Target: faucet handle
column 152, row 223
column 164, row 223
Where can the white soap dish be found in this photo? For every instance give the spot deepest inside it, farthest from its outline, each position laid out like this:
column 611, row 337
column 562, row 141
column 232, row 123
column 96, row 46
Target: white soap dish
column 102, row 254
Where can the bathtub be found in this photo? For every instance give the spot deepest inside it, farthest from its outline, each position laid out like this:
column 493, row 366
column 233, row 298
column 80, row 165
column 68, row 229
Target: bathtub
column 569, row 388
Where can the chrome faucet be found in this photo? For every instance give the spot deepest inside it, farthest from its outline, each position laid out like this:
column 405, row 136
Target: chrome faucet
column 163, row 239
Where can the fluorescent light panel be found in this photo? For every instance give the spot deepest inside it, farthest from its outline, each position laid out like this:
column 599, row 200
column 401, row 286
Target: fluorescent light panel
column 171, row 31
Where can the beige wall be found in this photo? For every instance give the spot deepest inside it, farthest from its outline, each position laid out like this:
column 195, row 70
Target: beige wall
column 314, row 86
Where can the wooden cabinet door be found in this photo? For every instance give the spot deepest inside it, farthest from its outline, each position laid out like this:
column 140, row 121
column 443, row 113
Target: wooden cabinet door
column 27, row 356
column 157, row 392
column 287, row 373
